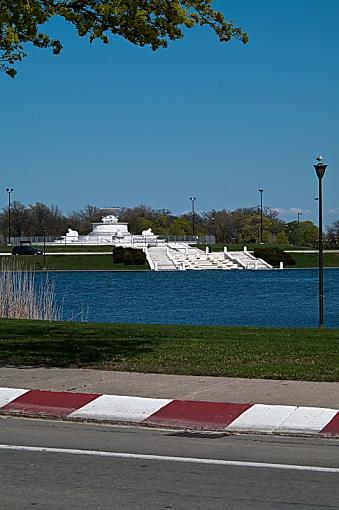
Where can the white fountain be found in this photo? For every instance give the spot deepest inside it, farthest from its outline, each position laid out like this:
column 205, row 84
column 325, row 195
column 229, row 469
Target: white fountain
column 109, row 231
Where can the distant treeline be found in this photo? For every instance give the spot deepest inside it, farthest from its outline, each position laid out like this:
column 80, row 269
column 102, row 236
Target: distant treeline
column 242, row 225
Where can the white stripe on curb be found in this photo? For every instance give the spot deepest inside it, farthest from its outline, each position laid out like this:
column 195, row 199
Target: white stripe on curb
column 307, row 419
column 166, row 458
column 9, row 394
column 119, row 408
column 261, row 418
column 268, row 419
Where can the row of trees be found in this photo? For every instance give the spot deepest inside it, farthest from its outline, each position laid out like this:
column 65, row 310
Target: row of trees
column 242, row 225
column 39, row 219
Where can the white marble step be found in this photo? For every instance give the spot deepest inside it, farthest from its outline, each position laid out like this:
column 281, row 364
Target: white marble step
column 161, row 260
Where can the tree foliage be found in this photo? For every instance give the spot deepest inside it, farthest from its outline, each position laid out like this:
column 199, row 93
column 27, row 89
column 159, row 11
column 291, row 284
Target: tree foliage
column 150, row 23
column 33, row 220
column 333, row 234
column 242, row 225
column 304, row 233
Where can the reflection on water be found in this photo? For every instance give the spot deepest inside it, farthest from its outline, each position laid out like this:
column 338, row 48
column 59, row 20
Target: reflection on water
column 251, row 298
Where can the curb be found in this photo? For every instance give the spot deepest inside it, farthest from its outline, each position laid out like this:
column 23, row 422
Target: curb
column 182, row 414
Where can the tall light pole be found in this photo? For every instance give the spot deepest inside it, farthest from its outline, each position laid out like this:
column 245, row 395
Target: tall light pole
column 193, row 199
column 44, row 239
column 9, row 191
column 298, row 231
column 261, row 191
column 320, row 171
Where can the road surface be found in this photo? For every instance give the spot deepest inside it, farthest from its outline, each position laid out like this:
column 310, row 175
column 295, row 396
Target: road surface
column 57, row 465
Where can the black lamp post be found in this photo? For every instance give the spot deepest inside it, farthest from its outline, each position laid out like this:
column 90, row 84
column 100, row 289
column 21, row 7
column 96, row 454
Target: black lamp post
column 261, row 191
column 9, row 191
column 193, row 199
column 44, row 252
column 320, row 171
column 298, row 231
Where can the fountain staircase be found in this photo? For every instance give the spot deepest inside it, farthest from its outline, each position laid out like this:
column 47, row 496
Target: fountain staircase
column 181, row 256
column 248, row 261
column 159, row 259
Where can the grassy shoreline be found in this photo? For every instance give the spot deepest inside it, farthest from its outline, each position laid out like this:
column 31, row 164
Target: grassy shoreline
column 74, row 263
column 271, row 353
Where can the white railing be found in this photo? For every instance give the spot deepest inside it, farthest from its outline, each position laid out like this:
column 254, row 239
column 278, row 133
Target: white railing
column 176, row 263
column 234, row 260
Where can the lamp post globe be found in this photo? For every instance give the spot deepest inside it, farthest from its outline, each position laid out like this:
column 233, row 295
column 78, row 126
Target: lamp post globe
column 320, row 169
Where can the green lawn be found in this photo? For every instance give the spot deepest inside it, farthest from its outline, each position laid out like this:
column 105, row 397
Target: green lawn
column 61, row 247
column 300, row 354
column 311, row 259
column 73, row 263
column 84, row 248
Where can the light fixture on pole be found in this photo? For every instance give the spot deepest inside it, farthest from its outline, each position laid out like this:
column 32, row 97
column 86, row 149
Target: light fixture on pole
column 193, row 199
column 320, row 171
column 9, row 191
column 261, row 191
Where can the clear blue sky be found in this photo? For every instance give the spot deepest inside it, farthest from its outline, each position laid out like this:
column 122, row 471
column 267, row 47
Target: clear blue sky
column 119, row 125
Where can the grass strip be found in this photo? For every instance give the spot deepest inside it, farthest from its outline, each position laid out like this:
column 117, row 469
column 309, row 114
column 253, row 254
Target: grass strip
column 74, row 263
column 304, row 260
column 297, row 354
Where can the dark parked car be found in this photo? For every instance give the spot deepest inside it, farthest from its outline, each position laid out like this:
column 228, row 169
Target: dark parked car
column 25, row 250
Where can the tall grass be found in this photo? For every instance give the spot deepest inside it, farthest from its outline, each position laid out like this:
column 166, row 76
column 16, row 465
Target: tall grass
column 21, row 297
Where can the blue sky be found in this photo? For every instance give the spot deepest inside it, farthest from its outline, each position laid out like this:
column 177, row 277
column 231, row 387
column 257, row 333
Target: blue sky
column 119, row 125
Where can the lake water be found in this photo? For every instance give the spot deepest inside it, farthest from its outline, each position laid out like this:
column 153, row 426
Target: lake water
column 245, row 298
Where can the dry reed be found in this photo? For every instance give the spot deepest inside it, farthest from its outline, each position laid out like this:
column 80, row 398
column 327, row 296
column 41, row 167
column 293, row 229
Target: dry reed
column 21, row 297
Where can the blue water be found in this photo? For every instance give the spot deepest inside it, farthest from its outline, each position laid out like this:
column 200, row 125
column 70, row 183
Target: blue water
column 245, row 298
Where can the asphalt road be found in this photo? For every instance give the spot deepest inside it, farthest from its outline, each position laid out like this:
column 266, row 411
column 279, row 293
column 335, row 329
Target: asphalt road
column 58, row 465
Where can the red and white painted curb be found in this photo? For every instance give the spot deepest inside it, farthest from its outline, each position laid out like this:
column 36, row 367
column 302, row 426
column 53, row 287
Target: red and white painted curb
column 232, row 417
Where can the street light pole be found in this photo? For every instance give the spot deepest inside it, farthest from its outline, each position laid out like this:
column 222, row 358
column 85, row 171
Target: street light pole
column 193, row 199
column 44, row 252
column 261, row 191
column 9, row 191
column 298, row 232
column 320, row 171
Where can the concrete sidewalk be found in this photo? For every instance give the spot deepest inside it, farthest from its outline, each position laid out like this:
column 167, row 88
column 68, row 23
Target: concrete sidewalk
column 159, row 386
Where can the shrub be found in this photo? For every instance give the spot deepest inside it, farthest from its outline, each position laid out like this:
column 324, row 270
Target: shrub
column 274, row 256
column 118, row 254
column 134, row 257
column 140, row 259
column 128, row 256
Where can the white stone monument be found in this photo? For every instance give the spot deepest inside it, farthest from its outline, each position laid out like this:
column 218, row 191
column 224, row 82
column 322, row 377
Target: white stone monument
column 72, row 235
column 109, row 231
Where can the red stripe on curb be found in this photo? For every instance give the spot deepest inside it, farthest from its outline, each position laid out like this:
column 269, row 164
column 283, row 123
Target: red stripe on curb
column 333, row 426
column 49, row 403
column 187, row 413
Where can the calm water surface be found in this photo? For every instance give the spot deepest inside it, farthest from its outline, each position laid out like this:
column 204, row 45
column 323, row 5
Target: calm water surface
column 244, row 298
